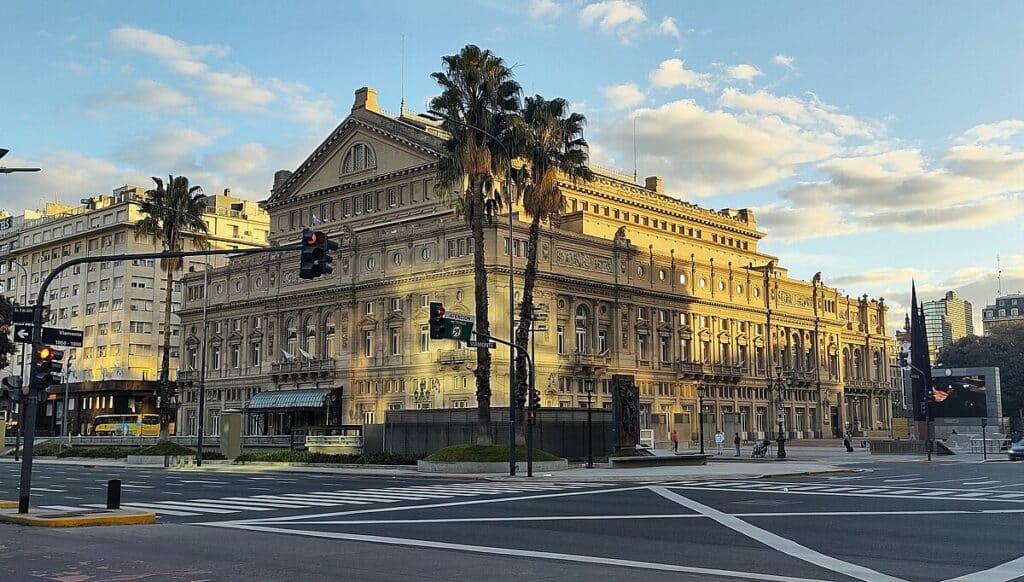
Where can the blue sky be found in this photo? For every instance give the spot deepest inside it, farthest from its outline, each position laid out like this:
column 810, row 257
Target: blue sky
column 878, row 141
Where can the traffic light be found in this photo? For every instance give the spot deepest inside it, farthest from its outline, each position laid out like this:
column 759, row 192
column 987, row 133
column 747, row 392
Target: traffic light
column 12, row 387
column 46, row 367
column 535, row 399
column 315, row 258
column 903, row 359
column 437, row 321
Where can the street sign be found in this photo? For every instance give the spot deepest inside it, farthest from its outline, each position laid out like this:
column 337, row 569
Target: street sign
column 489, row 345
column 56, row 336
column 458, row 329
column 460, row 317
column 22, row 314
column 23, row 334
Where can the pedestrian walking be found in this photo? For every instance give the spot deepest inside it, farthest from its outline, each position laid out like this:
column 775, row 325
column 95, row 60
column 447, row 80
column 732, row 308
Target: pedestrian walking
column 848, row 443
column 736, row 441
column 719, row 440
column 675, row 442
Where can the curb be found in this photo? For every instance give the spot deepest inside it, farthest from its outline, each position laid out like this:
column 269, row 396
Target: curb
column 78, row 520
column 8, row 504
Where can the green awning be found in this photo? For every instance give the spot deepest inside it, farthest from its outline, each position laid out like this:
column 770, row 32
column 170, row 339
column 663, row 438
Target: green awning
column 289, row 399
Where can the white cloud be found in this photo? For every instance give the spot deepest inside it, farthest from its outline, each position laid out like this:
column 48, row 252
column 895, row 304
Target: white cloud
column 783, row 61
column 881, row 276
column 700, row 152
column 668, row 27
column 146, row 95
column 744, row 72
column 623, row 96
column 545, row 10
column 621, row 17
column 805, row 112
column 789, row 223
column 174, row 150
column 66, row 176
column 988, row 132
column 673, row 73
column 237, row 91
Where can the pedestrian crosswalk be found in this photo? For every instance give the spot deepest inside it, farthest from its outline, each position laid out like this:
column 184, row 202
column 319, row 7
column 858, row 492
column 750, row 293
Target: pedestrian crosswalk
column 334, row 498
column 905, row 491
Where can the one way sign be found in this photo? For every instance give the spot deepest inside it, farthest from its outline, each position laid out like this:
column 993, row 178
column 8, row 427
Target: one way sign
column 23, row 334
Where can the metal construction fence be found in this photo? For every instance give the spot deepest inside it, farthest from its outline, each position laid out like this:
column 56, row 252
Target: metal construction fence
column 559, row 431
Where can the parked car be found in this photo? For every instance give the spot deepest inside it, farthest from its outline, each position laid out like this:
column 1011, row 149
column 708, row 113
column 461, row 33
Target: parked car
column 1016, row 450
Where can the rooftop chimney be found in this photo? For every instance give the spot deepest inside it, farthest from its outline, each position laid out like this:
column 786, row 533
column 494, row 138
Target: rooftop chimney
column 366, row 98
column 280, row 177
column 654, row 183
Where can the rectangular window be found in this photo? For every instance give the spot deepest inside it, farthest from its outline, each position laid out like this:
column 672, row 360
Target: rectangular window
column 396, row 341
column 235, row 356
column 602, row 341
column 424, row 300
column 368, row 308
column 368, row 202
column 368, row 343
column 641, row 347
column 254, row 354
column 665, row 356
column 560, row 333
column 424, row 339
column 396, row 304
column 215, row 357
column 392, row 197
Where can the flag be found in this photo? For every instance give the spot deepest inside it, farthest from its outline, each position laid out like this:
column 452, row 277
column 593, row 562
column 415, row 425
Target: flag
column 287, row 357
column 305, row 354
column 921, row 373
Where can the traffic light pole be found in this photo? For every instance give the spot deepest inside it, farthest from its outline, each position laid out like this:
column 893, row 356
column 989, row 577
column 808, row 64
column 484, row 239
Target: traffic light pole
column 30, row 401
column 512, row 395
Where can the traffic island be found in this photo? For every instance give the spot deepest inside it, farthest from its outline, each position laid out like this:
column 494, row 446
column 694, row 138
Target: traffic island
column 8, row 504
column 677, row 460
column 84, row 518
column 486, row 459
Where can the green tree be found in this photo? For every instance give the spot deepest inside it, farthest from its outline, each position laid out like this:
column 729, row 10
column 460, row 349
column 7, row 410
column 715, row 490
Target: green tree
column 549, row 140
column 6, row 345
column 478, row 98
column 171, row 214
column 1002, row 348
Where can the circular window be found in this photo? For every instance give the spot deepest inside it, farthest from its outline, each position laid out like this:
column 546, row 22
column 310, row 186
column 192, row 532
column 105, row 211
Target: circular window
column 661, row 274
column 604, row 309
column 757, row 292
column 739, row 289
column 639, row 270
column 258, row 282
column 425, row 253
column 721, row 285
column 458, row 295
column 238, row 284
column 561, row 303
column 703, row 283
column 220, row 288
column 371, row 263
column 682, row 279
column 396, row 259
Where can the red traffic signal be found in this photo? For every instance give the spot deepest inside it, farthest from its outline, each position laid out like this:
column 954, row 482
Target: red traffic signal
column 436, row 321
column 46, row 353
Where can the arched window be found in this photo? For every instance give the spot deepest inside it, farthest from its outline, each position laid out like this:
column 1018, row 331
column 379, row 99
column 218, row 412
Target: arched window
column 359, row 157
column 858, row 364
column 291, row 339
column 310, row 337
column 796, row 348
column 847, row 364
column 582, row 331
column 329, row 336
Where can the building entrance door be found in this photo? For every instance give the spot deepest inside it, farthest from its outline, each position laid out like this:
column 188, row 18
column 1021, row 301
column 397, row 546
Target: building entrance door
column 836, row 427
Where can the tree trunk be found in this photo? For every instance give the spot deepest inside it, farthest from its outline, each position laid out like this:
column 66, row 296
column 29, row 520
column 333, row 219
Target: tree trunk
column 525, row 324
column 165, row 363
column 484, row 434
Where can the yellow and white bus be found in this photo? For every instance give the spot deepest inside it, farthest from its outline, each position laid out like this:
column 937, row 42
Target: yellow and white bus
column 127, row 425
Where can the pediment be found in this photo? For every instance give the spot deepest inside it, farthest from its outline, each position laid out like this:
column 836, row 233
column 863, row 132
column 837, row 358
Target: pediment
column 395, row 146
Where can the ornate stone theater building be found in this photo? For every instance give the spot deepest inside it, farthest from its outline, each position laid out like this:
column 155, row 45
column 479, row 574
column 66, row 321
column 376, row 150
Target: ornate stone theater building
column 631, row 281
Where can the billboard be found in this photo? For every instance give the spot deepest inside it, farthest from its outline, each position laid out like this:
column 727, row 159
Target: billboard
column 959, row 396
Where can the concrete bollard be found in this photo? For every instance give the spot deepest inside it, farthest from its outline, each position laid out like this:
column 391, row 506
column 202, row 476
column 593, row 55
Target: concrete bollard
column 114, row 494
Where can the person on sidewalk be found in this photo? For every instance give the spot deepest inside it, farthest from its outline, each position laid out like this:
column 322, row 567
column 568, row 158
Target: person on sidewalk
column 847, row 442
column 675, row 442
column 736, row 441
column 719, row 440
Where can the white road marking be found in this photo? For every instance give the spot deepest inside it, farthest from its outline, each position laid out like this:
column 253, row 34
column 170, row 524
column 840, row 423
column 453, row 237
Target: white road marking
column 1002, row 573
column 980, row 482
column 518, row 553
column 62, row 507
column 901, row 480
column 160, row 509
column 777, row 542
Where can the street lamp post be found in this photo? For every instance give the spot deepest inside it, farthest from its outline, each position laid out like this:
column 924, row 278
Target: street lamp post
column 24, row 367
column 588, row 387
column 702, row 391
column 511, row 293
column 780, row 437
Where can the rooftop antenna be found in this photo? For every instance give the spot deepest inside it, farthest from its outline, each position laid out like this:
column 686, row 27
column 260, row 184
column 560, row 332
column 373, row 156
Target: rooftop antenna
column 634, row 149
column 401, row 107
column 999, row 277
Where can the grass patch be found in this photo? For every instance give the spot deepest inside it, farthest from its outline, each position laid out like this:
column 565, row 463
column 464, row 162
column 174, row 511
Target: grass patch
column 308, row 457
column 485, row 454
column 52, row 449
column 167, row 448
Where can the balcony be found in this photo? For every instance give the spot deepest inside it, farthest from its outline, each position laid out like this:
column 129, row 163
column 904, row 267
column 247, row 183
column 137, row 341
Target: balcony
column 188, row 375
column 303, row 369
column 800, row 377
column 584, row 363
column 454, row 358
column 710, row 372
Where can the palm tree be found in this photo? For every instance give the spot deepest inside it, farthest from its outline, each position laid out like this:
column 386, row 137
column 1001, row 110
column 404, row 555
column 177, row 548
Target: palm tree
column 478, row 97
column 171, row 213
column 550, row 139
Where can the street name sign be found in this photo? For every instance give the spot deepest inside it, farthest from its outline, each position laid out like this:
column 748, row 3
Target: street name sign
column 56, row 336
column 489, row 345
column 22, row 314
column 460, row 317
column 23, row 334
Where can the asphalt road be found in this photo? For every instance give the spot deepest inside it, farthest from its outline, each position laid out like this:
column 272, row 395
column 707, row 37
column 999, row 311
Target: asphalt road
column 890, row 521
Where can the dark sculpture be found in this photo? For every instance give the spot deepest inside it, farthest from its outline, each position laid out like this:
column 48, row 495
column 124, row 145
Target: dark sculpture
column 626, row 411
